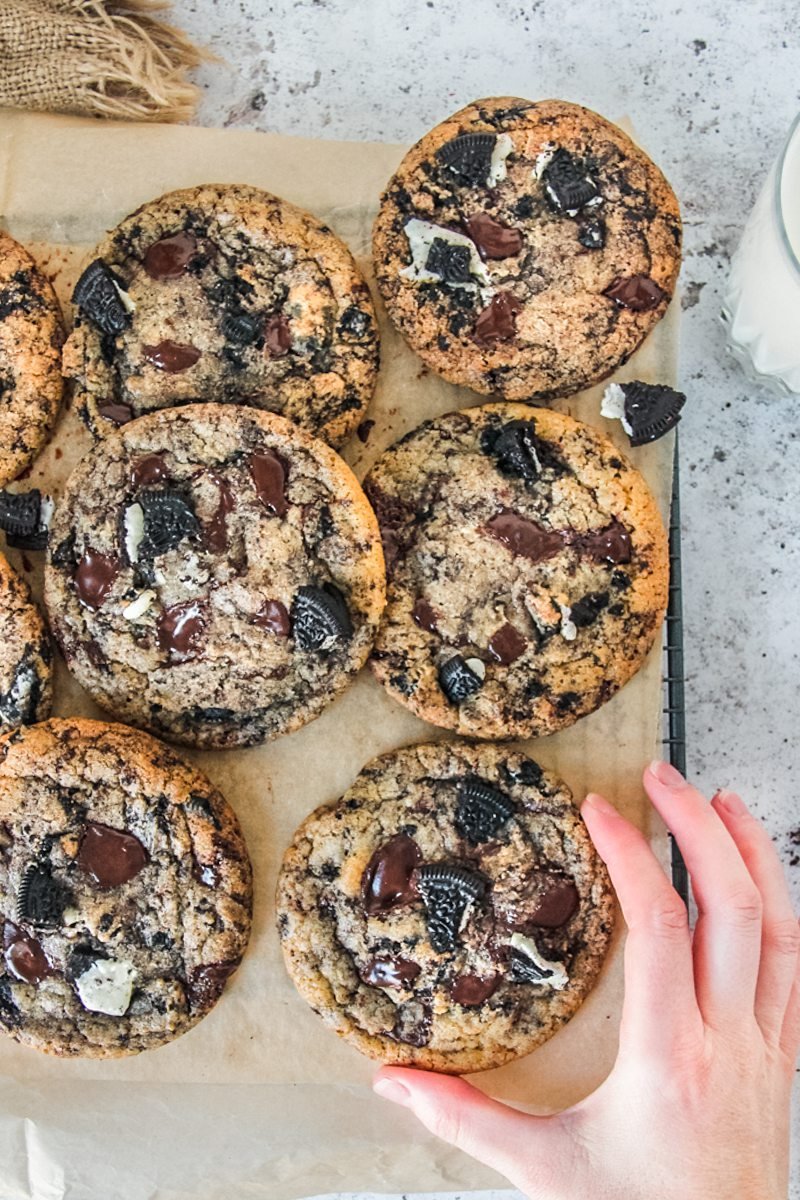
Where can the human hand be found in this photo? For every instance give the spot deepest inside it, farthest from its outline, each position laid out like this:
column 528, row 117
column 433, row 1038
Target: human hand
column 697, row 1104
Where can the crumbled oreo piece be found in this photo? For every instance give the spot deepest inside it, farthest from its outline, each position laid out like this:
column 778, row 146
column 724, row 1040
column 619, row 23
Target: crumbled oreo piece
column 592, row 234
column 586, row 610
column 20, row 512
column 567, row 186
column 651, row 410
column 448, row 893
column 320, row 618
column 458, row 680
column 468, row 157
column 482, row 810
column 450, row 262
column 240, row 327
column 97, row 295
column 355, row 322
column 168, row 519
column 515, row 449
column 41, row 899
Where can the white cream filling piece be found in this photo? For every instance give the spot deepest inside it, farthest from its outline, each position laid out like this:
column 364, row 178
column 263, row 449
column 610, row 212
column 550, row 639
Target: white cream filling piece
column 557, row 976
column 498, row 170
column 138, row 607
column 134, row 531
column 106, row 987
column 613, row 406
column 569, row 630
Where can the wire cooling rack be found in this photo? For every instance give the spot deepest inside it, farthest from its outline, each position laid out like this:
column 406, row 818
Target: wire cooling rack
column 674, row 696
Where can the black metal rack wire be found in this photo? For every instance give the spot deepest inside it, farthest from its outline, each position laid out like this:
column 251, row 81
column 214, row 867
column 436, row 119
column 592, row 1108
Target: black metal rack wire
column 674, row 696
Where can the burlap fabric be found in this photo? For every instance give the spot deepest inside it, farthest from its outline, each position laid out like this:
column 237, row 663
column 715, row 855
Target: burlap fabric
column 100, row 57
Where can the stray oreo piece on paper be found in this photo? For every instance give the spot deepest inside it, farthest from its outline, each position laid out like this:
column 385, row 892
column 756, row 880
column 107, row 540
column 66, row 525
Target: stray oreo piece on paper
column 647, row 410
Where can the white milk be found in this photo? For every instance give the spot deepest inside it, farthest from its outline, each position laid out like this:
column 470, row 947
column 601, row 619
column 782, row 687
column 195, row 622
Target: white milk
column 761, row 306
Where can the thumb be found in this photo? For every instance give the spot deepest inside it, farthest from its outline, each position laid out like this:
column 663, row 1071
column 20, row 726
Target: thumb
column 534, row 1153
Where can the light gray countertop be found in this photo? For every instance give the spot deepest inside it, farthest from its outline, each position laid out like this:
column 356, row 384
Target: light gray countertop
column 712, row 88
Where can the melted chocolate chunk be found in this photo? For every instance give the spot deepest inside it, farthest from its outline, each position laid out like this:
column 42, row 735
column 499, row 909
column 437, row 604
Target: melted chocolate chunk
column 205, row 984
column 391, row 972
column 506, row 645
column 148, row 470
column 497, row 322
column 524, row 537
column 24, row 955
column 20, row 512
column 41, row 900
column 269, row 478
column 118, row 414
column 448, row 892
column 482, row 810
column 168, row 519
column 592, row 234
column 216, row 530
column 468, row 158
column 181, row 629
column 424, row 615
column 320, row 618
column 493, row 239
column 612, row 544
column 471, row 990
column 413, row 1024
column 277, row 336
column 586, row 610
column 169, row 257
column 171, row 356
column 111, row 856
column 567, row 185
column 558, row 902
column 97, row 296
column 94, row 577
column 640, row 293
column 388, row 879
column 451, row 263
column 651, row 410
column 273, row 616
column 457, row 680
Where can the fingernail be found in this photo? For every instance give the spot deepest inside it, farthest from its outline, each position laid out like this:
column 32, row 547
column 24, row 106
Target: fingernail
column 665, row 773
column 732, row 803
column 600, row 804
column 390, row 1089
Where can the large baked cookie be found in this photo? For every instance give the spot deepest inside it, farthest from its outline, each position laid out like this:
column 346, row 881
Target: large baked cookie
column 125, row 890
column 223, row 292
column 526, row 249
column 449, row 912
column 214, row 574
column 528, row 570
column 31, row 333
column 26, row 655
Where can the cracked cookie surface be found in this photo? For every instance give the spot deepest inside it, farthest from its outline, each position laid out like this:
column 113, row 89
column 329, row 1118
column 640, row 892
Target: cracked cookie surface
column 31, row 333
column 526, row 249
column 224, row 293
column 527, row 570
column 214, row 574
column 26, row 654
column 474, row 850
column 125, row 890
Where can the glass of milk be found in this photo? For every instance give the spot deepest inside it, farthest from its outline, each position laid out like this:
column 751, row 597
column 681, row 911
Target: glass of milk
column 761, row 305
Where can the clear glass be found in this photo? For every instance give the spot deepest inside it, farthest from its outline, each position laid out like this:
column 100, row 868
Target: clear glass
column 761, row 305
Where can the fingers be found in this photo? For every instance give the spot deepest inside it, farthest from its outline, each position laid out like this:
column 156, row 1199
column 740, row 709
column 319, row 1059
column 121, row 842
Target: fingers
column 780, row 935
column 660, row 1008
column 727, row 942
column 530, row 1151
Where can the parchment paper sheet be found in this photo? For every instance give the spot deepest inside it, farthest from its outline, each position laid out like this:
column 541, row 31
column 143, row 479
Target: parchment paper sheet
column 260, row 1100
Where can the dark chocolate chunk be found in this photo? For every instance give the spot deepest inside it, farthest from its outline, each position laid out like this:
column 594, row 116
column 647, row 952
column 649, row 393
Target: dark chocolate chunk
column 204, row 985
column 390, row 972
column 171, row 357
column 558, row 901
column 180, row 630
column 567, row 186
column 320, row 617
column 20, row 512
column 447, row 892
column 148, row 470
column 169, row 257
column 94, row 577
column 493, row 239
column 388, row 878
column 651, row 410
column 506, row 645
column 468, row 158
column 586, row 610
column 24, row 955
column 41, row 899
column 451, row 263
column 424, row 615
column 111, row 856
column 592, row 234
column 168, row 519
column 277, row 336
column 97, row 296
column 457, row 680
column 640, row 293
column 612, row 544
column 482, row 810
column 471, row 990
column 497, row 322
column 241, row 327
column 523, row 537
column 273, row 616
column 117, row 414
column 268, row 473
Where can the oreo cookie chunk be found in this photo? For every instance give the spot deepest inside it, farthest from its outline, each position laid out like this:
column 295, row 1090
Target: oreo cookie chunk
column 31, row 333
column 223, row 293
column 528, row 570
column 125, row 890
column 449, row 912
column 26, row 654
column 525, row 249
column 214, row 575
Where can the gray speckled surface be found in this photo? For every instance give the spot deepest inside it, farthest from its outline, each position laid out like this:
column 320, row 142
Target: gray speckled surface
column 711, row 88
